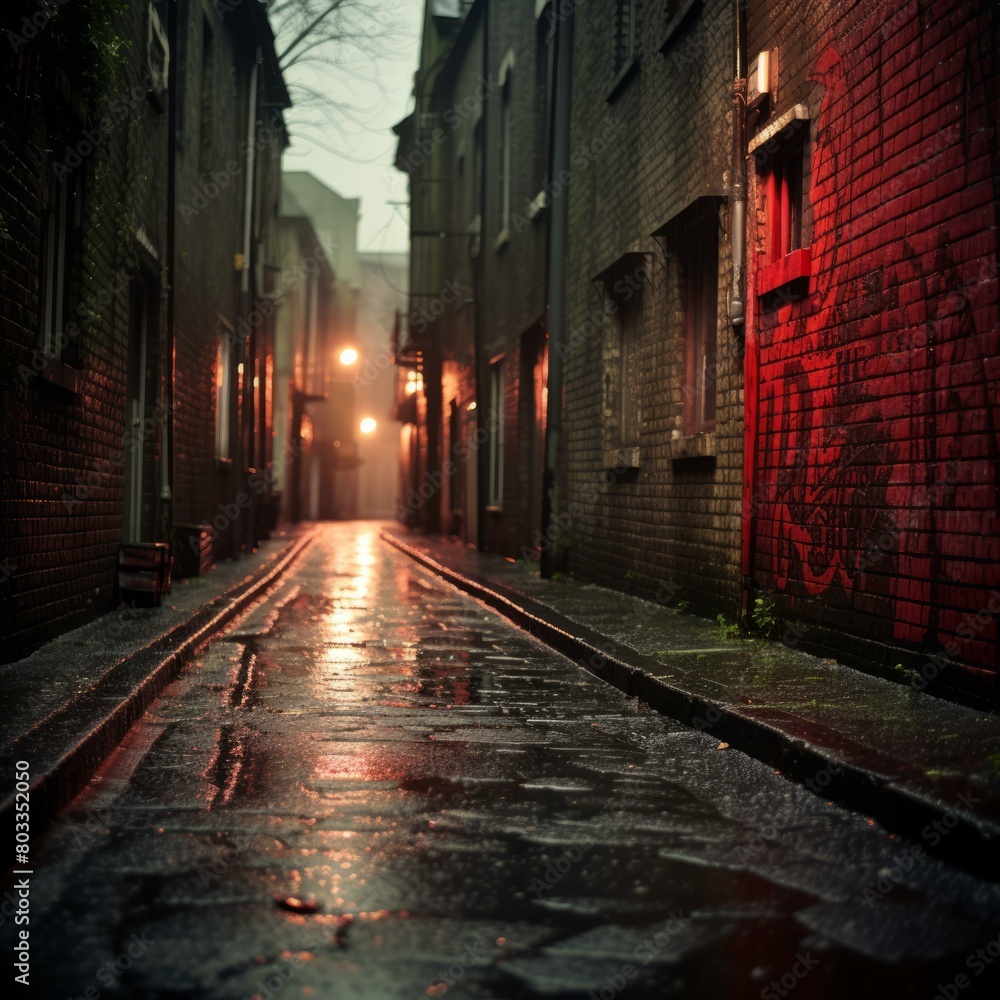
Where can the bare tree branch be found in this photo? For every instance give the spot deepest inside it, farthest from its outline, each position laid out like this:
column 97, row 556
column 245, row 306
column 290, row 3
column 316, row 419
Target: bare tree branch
column 283, row 57
column 331, row 52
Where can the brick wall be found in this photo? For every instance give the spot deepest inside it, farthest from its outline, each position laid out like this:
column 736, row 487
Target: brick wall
column 877, row 479
column 67, row 435
column 639, row 158
column 63, row 420
column 463, row 101
column 513, row 274
column 207, row 283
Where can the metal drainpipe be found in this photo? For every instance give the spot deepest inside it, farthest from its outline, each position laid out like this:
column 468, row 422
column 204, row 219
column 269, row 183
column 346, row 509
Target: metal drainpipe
column 557, row 287
column 167, row 360
column 738, row 195
column 243, row 535
column 479, row 308
column 737, row 310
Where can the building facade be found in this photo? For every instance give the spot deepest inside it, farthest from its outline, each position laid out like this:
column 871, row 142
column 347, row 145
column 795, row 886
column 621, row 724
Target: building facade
column 873, row 473
column 653, row 427
column 134, row 217
column 382, row 296
column 756, row 291
column 476, row 155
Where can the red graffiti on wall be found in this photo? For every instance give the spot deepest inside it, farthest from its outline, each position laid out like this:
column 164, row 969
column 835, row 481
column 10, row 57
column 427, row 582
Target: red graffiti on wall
column 879, row 421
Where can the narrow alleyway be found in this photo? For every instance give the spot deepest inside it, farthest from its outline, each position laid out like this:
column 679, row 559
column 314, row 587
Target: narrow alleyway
column 373, row 787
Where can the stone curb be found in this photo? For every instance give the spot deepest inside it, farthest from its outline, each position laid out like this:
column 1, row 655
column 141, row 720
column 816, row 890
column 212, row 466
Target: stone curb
column 875, row 790
column 106, row 712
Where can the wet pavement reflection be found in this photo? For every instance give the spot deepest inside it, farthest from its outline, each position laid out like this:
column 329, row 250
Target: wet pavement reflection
column 371, row 786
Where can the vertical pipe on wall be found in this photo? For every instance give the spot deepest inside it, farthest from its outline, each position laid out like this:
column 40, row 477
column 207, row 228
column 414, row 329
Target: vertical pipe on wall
column 479, row 307
column 168, row 287
column 738, row 306
column 738, row 194
column 556, row 291
column 249, row 341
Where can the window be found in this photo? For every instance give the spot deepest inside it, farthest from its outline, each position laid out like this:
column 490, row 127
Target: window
column 629, row 370
column 496, row 429
column 698, row 267
column 624, row 364
column 157, row 55
column 61, row 227
column 779, row 151
column 784, row 204
column 623, row 35
column 476, row 225
column 504, row 151
column 223, row 398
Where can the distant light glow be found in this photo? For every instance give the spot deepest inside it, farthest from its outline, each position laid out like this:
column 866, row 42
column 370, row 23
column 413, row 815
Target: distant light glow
column 348, row 356
column 411, row 388
column 471, row 405
column 368, row 425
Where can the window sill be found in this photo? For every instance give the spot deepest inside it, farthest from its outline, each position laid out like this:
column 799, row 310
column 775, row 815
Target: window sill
column 676, row 23
column 538, row 205
column 701, row 445
column 620, row 459
column 622, row 78
column 494, row 508
column 60, row 375
column 791, row 267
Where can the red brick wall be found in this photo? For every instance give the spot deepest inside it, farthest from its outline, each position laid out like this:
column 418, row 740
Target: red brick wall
column 877, row 487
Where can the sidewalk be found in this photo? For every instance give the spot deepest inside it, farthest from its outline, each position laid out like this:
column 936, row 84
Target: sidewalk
column 920, row 765
column 68, row 704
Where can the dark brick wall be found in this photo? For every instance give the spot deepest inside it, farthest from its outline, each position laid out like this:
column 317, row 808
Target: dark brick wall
column 211, row 174
column 477, row 296
column 878, row 463
column 64, row 421
column 462, row 101
column 66, row 430
column 639, row 158
column 513, row 274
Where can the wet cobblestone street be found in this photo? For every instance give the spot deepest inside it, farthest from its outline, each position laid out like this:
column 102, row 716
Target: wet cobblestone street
column 372, row 787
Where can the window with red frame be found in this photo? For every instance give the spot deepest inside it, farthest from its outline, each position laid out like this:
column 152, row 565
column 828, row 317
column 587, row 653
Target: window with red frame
column 787, row 258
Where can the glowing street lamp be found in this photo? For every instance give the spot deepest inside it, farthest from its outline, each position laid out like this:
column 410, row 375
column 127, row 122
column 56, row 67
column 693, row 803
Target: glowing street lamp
column 348, row 356
column 368, row 425
column 306, row 429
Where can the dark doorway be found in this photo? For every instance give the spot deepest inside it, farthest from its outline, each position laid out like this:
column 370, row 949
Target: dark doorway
column 141, row 426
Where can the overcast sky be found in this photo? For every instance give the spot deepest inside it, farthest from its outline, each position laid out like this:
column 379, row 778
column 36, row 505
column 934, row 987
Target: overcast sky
column 360, row 163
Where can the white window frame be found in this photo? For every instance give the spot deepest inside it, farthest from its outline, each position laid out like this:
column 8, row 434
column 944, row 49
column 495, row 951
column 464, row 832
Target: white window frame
column 223, row 399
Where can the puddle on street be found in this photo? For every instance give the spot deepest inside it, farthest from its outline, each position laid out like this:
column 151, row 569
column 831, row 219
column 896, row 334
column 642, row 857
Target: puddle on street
column 436, row 791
